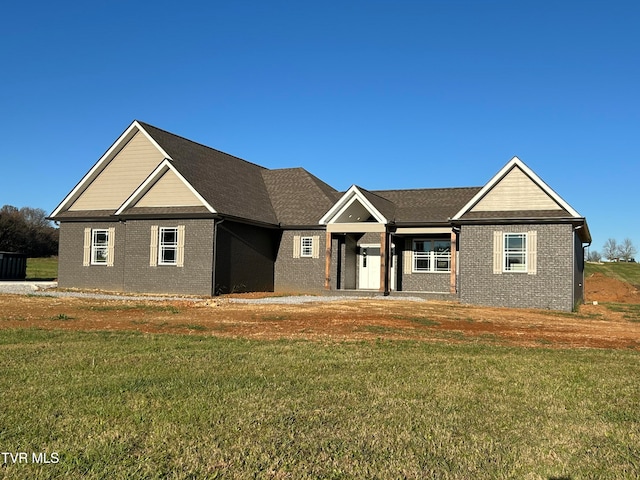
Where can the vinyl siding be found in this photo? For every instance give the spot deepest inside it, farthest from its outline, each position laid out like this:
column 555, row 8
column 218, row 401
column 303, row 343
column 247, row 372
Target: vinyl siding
column 129, row 168
column 169, row 191
column 516, row 191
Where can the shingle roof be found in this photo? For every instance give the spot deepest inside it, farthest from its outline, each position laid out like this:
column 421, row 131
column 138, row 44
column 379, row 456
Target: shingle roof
column 298, row 197
column 293, row 197
column 230, row 184
column 427, row 205
column 513, row 214
column 383, row 205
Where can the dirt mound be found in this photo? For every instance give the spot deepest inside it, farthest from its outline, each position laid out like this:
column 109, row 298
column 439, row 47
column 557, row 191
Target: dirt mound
column 601, row 288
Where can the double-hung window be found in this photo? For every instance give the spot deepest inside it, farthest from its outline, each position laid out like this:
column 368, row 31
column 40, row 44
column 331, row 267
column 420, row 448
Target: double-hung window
column 515, row 252
column 99, row 246
column 432, row 255
column 168, row 246
column 306, row 246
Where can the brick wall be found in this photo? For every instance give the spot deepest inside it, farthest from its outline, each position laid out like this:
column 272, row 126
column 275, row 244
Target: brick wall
column 550, row 288
column 192, row 279
column 432, row 282
column 300, row 274
column 72, row 273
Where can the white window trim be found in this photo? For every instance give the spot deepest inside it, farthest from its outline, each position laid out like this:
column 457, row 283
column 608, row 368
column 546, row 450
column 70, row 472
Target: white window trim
column 306, row 247
column 95, row 248
column 432, row 256
column 524, row 268
column 162, row 247
column 299, row 249
column 156, row 248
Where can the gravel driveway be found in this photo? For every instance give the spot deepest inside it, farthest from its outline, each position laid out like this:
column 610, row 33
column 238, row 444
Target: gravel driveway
column 48, row 289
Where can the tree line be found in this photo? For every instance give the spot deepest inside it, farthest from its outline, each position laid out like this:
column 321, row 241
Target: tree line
column 612, row 250
column 27, row 230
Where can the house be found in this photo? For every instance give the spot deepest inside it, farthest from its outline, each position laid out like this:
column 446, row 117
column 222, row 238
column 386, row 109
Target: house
column 162, row 214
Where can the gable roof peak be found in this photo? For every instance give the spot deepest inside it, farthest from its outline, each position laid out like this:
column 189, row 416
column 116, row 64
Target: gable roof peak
column 511, row 164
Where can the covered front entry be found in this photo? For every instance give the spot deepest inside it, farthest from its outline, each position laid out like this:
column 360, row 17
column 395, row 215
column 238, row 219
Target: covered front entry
column 358, row 243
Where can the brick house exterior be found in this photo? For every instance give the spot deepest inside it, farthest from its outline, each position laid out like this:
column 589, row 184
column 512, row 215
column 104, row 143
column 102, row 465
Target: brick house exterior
column 161, row 214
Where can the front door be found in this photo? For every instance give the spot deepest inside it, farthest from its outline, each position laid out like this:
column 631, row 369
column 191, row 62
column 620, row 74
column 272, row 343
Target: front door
column 369, row 267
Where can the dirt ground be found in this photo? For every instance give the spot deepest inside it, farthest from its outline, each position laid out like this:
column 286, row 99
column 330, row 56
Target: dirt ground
column 594, row 326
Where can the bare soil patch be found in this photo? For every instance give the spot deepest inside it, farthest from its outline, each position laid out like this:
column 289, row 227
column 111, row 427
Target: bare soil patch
column 594, row 326
column 600, row 288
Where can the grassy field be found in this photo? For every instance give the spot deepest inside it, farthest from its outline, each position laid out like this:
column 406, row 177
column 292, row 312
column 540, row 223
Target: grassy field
column 627, row 272
column 127, row 405
column 42, row 268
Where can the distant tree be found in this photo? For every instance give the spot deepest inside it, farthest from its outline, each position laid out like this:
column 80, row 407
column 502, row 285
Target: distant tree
column 610, row 249
column 626, row 250
column 28, row 231
column 594, row 256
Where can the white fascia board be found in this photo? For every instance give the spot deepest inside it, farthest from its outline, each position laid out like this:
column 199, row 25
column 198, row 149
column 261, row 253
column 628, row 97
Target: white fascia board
column 152, row 179
column 345, row 202
column 515, row 161
column 127, row 135
column 153, row 142
column 337, row 206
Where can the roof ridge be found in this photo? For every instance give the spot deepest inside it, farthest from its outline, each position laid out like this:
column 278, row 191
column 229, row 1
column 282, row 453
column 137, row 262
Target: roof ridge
column 423, row 189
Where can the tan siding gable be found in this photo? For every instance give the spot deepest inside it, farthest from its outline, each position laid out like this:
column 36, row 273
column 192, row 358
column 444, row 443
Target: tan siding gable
column 516, row 191
column 129, row 168
column 169, row 191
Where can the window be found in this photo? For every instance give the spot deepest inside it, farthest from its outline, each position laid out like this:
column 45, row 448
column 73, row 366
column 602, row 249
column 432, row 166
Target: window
column 306, row 246
column 99, row 246
column 167, row 246
column 168, row 243
column 432, row 255
column 515, row 252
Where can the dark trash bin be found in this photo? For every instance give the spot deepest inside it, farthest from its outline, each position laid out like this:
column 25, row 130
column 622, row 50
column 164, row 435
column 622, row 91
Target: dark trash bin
column 13, row 266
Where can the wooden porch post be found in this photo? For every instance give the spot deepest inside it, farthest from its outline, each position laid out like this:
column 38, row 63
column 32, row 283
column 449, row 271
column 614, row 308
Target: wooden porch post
column 327, row 262
column 383, row 262
column 454, row 266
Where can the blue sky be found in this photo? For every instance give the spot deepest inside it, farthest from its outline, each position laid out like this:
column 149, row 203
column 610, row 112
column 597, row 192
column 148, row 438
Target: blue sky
column 383, row 94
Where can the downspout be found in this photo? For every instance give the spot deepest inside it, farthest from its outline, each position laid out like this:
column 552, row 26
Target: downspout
column 215, row 256
column 583, row 261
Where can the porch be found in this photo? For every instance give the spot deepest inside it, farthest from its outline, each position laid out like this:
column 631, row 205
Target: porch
column 370, row 259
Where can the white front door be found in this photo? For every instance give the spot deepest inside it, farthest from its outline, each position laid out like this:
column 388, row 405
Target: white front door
column 369, row 267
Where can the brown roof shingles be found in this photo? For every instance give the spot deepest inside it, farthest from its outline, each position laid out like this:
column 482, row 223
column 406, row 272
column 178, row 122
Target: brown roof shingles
column 232, row 186
column 293, row 196
column 298, row 197
column 516, row 214
column 428, row 205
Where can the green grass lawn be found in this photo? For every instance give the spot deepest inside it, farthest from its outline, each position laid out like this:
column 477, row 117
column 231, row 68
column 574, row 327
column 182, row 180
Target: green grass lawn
column 130, row 405
column 42, row 268
column 627, row 272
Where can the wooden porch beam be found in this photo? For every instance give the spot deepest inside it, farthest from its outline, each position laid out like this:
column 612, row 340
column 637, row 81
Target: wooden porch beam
column 383, row 262
column 327, row 262
column 454, row 266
